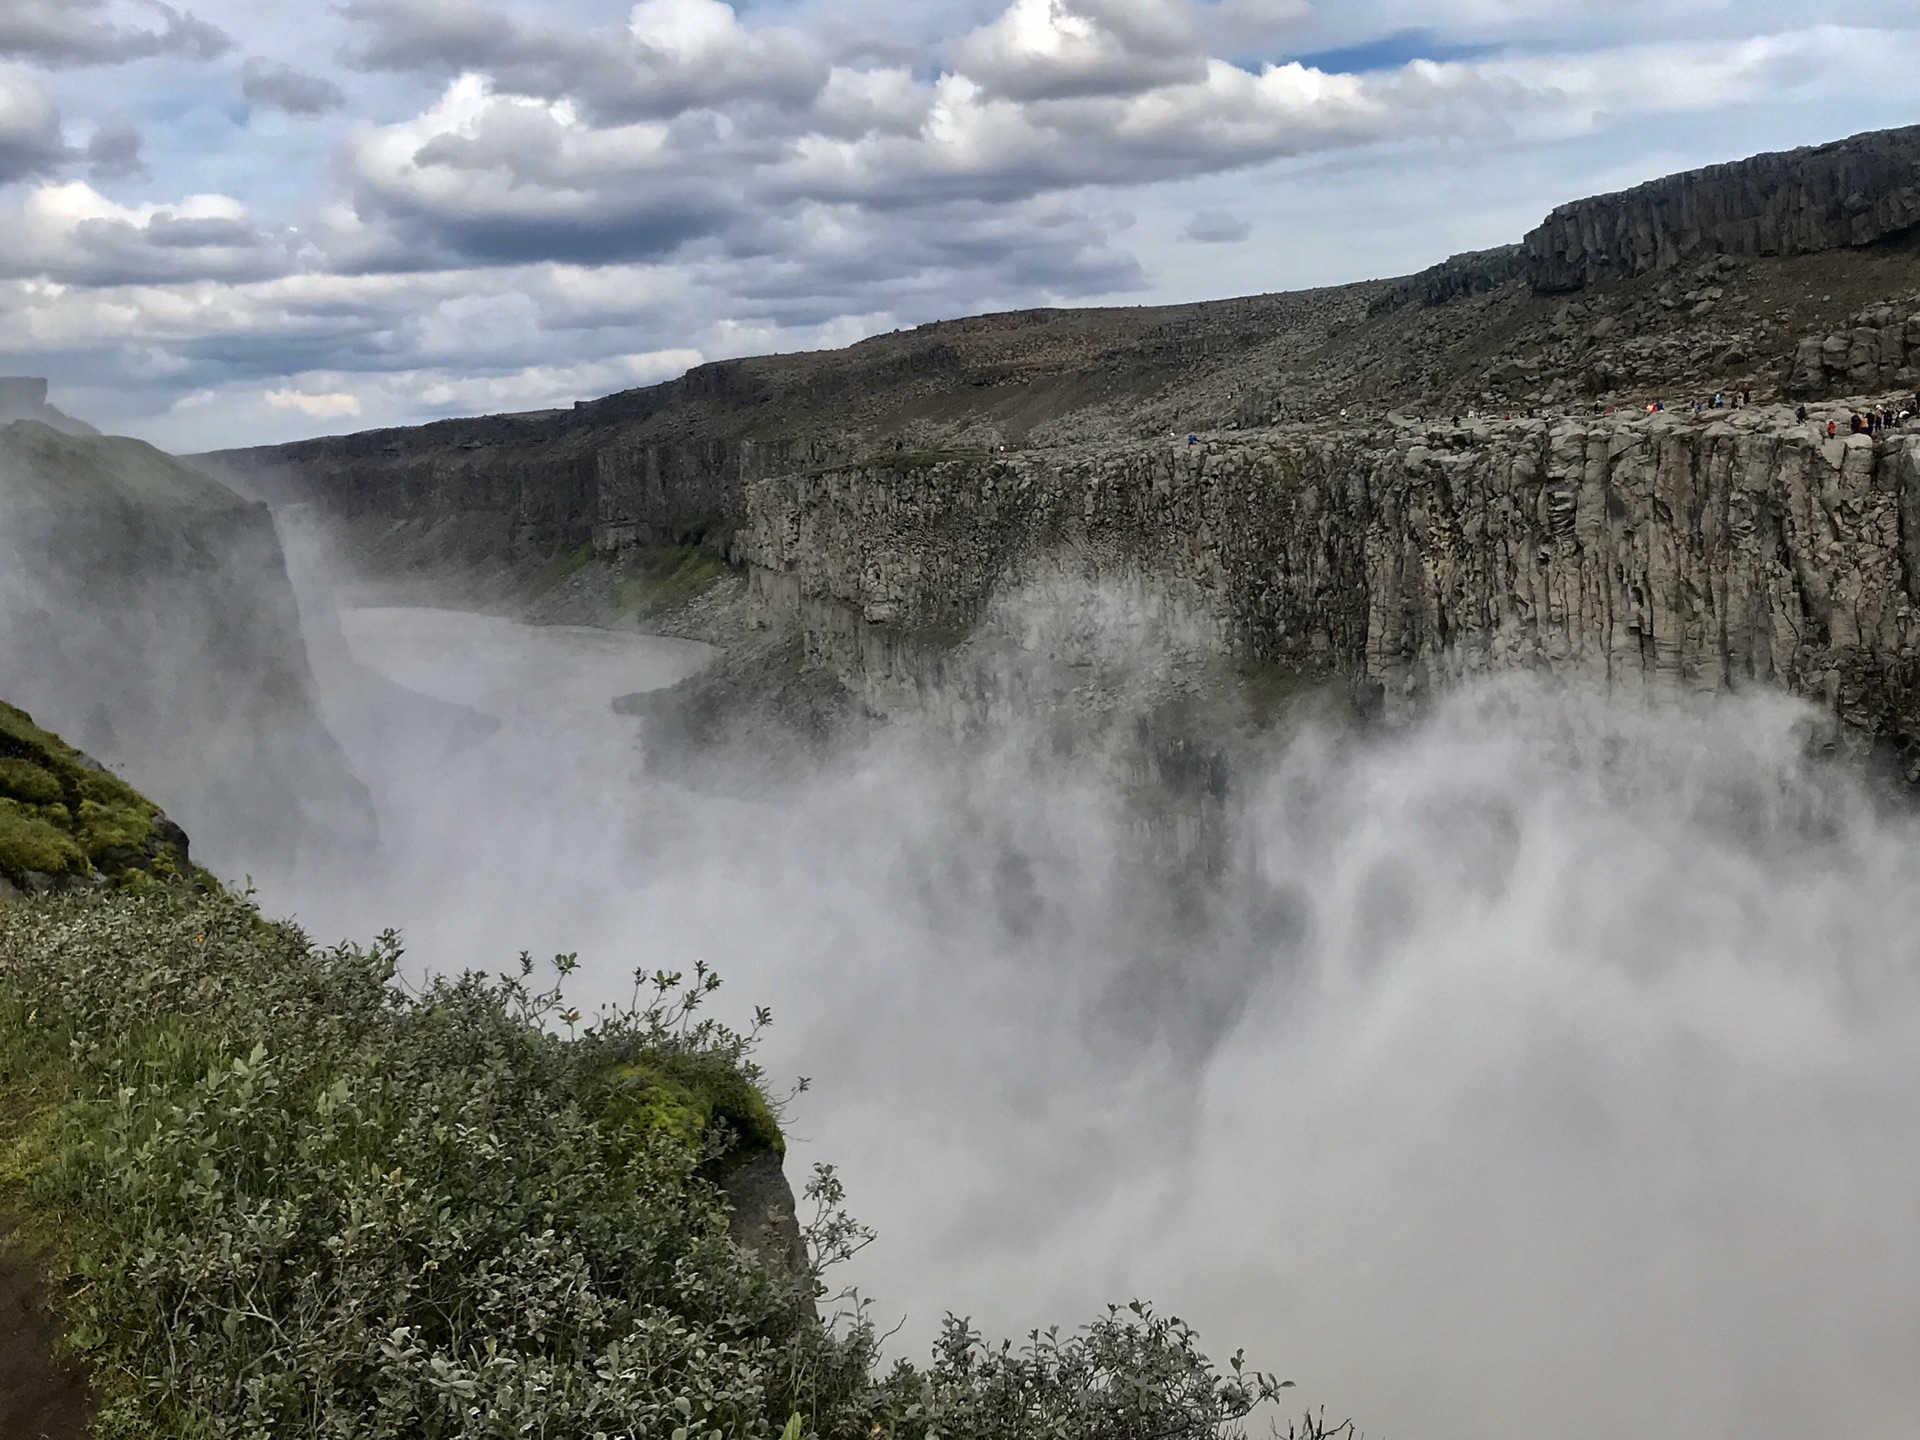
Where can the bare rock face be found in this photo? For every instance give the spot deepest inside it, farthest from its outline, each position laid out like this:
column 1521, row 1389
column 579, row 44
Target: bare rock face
column 1879, row 351
column 1709, row 552
column 761, row 1213
column 1458, row 278
column 24, row 397
column 1799, row 202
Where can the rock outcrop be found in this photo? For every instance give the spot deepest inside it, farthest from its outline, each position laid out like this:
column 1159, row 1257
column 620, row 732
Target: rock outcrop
column 1879, row 351
column 145, row 612
column 1851, row 193
column 24, row 397
column 1710, row 553
column 66, row 821
column 1457, row 278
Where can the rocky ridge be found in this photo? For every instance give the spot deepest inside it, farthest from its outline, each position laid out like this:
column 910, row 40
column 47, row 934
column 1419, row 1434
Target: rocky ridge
column 1848, row 194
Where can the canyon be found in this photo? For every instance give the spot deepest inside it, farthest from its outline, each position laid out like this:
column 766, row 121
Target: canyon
column 1393, row 483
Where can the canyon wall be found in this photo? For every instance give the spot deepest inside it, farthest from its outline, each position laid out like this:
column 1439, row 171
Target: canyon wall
column 147, row 614
column 1851, row 193
column 1708, row 552
column 881, row 495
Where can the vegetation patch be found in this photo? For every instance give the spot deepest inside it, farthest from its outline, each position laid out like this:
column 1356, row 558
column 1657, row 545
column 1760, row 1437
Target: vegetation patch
column 64, row 819
column 562, row 568
column 666, row 578
column 289, row 1198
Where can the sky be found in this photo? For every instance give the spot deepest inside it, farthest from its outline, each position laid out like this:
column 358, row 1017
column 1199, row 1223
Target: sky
column 229, row 222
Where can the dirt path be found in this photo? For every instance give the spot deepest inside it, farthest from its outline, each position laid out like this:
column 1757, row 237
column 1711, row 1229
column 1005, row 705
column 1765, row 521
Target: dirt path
column 40, row 1397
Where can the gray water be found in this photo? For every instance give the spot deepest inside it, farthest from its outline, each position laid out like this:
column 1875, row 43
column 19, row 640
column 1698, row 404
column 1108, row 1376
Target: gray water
column 1550, row 1068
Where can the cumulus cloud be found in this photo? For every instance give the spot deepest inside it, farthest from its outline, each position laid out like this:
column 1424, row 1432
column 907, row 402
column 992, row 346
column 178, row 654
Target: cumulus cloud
column 329, row 406
column 1050, row 49
column 494, row 174
column 282, row 87
column 699, row 177
column 113, row 152
column 104, row 32
column 72, row 234
column 1216, row 227
column 671, row 56
column 30, row 139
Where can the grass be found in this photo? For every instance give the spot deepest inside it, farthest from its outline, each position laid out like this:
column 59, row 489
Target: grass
column 561, row 568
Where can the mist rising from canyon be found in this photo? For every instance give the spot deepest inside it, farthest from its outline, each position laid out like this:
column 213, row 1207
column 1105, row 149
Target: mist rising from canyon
column 1548, row 1067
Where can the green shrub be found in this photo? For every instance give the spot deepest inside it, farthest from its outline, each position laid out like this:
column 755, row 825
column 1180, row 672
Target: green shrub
column 286, row 1196
column 295, row 1200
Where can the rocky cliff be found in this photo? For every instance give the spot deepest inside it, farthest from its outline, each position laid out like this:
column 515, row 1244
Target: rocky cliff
column 1852, row 193
column 146, row 612
column 1708, row 552
column 889, row 488
column 1878, row 351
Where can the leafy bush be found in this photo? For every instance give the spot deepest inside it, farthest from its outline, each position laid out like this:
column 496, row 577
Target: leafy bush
column 290, row 1198
column 1133, row 1375
column 297, row 1201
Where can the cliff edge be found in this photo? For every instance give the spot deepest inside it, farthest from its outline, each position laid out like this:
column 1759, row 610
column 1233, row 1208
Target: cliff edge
column 145, row 610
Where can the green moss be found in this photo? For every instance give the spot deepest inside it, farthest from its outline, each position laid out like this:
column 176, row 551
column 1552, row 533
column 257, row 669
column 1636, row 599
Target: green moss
column 31, row 843
column 669, row 577
column 26, row 781
column 695, row 1099
column 61, row 814
column 112, row 827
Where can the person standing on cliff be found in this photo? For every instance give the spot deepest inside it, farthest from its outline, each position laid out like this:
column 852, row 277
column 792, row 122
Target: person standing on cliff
column 1832, row 429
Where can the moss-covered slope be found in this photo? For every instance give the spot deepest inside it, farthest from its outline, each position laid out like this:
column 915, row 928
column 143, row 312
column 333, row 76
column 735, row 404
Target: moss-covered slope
column 64, row 820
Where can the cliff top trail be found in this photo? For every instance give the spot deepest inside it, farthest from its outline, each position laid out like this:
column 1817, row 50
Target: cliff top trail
column 1714, row 279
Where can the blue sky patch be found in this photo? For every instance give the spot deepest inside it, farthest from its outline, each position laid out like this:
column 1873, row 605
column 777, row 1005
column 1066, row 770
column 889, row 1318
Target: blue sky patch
column 1390, row 52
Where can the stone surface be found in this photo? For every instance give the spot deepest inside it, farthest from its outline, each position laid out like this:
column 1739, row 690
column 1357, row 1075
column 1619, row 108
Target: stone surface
column 1707, row 553
column 1878, row 351
column 1799, row 202
column 1457, row 278
column 761, row 1213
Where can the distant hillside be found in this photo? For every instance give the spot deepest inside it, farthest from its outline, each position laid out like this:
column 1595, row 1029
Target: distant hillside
column 145, row 610
column 1712, row 280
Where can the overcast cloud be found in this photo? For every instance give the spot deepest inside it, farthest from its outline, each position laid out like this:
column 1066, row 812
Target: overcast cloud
column 223, row 223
